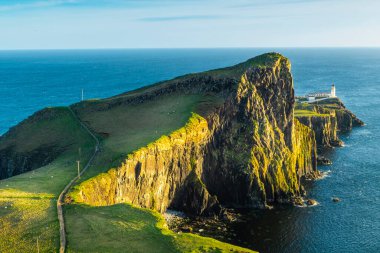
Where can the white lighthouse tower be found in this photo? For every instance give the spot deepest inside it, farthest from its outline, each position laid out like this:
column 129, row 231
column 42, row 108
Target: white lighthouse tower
column 333, row 95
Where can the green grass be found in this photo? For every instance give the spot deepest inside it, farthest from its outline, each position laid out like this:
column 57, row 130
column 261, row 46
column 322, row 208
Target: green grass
column 307, row 113
column 124, row 228
column 26, row 219
column 310, row 109
column 28, row 201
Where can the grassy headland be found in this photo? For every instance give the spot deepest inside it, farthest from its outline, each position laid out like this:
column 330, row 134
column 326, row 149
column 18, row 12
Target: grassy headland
column 28, row 201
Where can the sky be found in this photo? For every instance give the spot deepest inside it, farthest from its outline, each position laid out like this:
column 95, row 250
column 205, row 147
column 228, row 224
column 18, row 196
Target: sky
column 77, row 24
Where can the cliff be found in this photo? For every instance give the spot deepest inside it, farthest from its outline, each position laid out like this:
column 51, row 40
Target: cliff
column 246, row 150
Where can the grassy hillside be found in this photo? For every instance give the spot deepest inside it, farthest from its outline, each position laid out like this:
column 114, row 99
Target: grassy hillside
column 28, row 201
column 124, row 228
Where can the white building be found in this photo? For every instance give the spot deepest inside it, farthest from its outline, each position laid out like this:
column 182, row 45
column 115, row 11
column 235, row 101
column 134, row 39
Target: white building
column 311, row 97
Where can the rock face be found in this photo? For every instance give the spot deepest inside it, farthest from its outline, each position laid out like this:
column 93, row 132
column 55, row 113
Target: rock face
column 325, row 129
column 248, row 152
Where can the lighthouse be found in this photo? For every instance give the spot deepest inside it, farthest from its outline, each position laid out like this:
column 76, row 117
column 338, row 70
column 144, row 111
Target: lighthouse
column 333, row 95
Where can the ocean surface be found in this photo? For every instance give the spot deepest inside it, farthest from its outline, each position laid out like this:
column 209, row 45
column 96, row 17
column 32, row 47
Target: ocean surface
column 32, row 80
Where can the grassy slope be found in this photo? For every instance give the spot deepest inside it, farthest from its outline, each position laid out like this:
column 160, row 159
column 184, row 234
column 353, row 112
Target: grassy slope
column 124, row 228
column 28, row 201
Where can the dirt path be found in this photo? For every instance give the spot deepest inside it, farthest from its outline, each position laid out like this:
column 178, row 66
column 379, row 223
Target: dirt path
column 60, row 201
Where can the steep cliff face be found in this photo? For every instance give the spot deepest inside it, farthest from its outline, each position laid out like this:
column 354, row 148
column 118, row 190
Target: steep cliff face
column 258, row 153
column 325, row 129
column 164, row 172
column 249, row 151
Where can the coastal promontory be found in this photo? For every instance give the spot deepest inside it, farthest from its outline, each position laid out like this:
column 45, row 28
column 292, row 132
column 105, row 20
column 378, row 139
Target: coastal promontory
column 226, row 138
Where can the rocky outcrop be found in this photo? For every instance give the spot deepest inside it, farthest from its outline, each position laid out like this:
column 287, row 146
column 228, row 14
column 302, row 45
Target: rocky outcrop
column 247, row 152
column 331, row 118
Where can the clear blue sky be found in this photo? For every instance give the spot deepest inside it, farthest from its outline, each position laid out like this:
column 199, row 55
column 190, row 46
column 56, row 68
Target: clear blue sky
column 52, row 24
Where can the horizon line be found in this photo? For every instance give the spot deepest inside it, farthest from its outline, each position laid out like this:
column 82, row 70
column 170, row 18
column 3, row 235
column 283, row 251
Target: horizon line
column 170, row 48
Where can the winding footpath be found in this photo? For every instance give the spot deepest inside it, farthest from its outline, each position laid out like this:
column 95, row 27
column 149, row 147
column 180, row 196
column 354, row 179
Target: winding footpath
column 60, row 201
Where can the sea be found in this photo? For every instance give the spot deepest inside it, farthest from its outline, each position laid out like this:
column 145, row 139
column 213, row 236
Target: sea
column 32, row 80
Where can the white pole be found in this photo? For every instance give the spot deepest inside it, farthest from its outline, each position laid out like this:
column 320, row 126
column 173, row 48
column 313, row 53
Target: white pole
column 82, row 94
column 78, row 162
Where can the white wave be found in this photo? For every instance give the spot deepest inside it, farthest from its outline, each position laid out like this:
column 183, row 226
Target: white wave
column 324, row 174
column 304, row 205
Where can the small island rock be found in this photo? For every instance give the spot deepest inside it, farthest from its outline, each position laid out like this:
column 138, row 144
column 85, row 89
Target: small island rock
column 311, row 202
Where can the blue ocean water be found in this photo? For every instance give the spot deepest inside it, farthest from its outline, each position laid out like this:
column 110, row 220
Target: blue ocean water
column 31, row 80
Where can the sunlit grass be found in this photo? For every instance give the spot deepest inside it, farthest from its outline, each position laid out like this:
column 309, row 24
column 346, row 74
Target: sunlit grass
column 124, row 228
column 25, row 220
